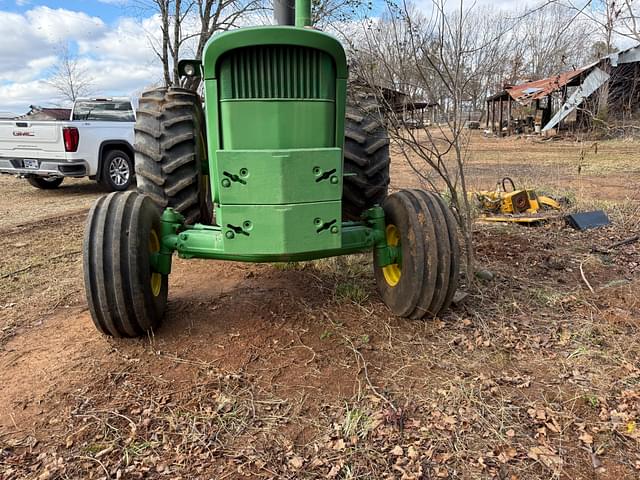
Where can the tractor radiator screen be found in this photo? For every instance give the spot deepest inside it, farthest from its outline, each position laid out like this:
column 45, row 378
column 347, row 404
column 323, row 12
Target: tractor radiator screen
column 277, row 72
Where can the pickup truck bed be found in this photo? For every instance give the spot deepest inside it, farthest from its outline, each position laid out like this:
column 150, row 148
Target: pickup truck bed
column 47, row 151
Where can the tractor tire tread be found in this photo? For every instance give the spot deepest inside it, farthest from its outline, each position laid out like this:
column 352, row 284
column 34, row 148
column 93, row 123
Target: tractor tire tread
column 167, row 162
column 366, row 159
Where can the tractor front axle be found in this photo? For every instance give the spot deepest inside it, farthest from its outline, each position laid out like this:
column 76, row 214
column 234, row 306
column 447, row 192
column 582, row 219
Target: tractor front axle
column 208, row 241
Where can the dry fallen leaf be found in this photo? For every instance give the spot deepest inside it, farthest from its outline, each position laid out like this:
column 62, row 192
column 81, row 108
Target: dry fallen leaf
column 507, row 454
column 586, row 438
column 339, row 445
column 335, row 470
column 546, row 455
column 296, row 462
column 397, row 451
column 442, row 472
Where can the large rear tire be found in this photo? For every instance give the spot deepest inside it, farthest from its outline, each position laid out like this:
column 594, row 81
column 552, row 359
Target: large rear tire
column 424, row 279
column 170, row 152
column 126, row 297
column 366, row 158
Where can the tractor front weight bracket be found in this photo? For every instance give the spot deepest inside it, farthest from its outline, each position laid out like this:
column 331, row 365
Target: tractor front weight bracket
column 208, row 241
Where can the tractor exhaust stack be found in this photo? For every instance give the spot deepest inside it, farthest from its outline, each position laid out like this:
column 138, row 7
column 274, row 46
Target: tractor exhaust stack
column 284, row 12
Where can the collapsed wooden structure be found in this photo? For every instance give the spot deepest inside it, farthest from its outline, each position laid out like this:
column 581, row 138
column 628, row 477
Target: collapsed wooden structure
column 544, row 104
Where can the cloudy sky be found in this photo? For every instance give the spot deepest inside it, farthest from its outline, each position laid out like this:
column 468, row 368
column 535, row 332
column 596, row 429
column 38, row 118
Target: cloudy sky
column 110, row 37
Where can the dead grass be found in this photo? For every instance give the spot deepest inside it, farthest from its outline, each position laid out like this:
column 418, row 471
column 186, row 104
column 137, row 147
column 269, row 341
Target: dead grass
column 534, row 377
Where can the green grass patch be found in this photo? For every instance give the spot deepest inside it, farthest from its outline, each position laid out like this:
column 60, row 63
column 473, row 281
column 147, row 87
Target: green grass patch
column 351, row 291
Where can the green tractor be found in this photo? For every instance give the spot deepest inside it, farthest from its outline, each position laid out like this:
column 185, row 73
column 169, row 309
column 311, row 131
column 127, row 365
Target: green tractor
column 275, row 168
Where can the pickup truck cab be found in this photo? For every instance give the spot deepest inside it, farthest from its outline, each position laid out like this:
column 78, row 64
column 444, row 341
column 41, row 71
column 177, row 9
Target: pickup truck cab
column 96, row 142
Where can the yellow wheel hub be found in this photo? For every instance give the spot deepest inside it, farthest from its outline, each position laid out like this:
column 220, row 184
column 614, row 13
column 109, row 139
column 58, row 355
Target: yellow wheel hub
column 392, row 272
column 156, row 278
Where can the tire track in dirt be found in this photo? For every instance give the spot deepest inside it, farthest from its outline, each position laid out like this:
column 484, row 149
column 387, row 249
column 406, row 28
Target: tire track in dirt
column 40, row 269
column 71, row 216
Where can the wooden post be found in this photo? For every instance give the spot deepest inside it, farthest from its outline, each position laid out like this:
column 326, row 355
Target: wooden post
column 487, row 120
column 500, row 118
column 493, row 116
column 509, row 103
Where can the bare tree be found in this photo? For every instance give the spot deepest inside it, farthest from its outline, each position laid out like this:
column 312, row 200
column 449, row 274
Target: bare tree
column 553, row 40
column 68, row 76
column 334, row 13
column 612, row 17
column 434, row 60
column 187, row 25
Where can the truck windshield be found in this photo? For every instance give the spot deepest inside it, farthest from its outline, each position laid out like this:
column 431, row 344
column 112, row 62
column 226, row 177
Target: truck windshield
column 106, row 111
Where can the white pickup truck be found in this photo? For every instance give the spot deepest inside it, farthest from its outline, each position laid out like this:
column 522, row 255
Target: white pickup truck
column 96, row 142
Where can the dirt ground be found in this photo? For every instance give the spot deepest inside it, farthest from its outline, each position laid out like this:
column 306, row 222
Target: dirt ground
column 299, row 371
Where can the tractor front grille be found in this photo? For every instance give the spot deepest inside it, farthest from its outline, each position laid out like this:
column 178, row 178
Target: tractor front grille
column 276, row 72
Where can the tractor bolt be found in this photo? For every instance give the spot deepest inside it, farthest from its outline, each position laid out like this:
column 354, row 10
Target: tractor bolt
column 244, row 172
column 334, row 229
column 226, row 182
column 334, row 180
column 229, row 234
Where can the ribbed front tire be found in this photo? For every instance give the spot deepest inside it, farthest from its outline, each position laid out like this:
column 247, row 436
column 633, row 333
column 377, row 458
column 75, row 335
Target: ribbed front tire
column 424, row 279
column 126, row 297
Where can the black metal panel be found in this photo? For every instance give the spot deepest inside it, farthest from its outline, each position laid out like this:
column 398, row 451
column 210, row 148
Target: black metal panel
column 586, row 220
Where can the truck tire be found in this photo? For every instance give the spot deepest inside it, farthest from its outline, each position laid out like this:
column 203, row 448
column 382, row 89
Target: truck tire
column 170, row 149
column 117, row 171
column 45, row 183
column 366, row 158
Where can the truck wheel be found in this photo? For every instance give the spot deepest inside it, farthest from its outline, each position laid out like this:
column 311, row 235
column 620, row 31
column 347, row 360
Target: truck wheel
column 171, row 150
column 45, row 183
column 366, row 159
column 117, row 171
column 126, row 297
column 425, row 277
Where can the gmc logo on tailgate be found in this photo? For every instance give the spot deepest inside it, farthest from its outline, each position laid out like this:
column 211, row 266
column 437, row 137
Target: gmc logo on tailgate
column 23, row 134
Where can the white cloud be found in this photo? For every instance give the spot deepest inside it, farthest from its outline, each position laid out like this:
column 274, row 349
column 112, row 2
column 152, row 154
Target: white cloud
column 128, row 40
column 31, row 70
column 57, row 25
column 118, row 57
column 17, row 96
